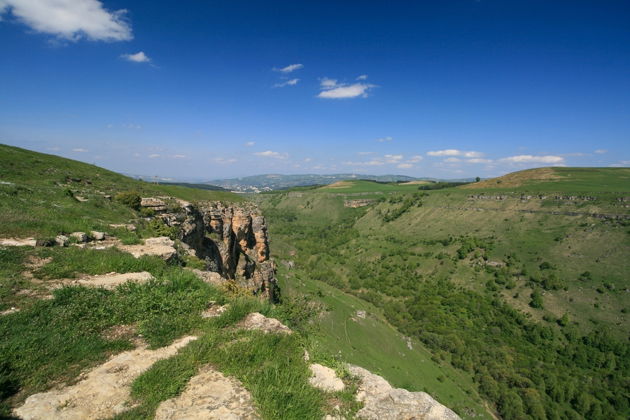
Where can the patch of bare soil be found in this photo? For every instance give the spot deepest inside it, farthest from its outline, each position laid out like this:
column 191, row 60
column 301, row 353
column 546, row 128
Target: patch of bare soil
column 338, row 184
column 103, row 392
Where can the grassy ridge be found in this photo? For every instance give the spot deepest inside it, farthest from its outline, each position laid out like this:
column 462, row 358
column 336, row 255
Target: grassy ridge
column 40, row 193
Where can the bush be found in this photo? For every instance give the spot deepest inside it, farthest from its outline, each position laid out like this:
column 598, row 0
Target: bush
column 130, row 199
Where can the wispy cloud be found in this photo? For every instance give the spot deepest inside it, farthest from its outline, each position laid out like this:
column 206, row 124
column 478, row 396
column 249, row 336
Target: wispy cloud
column 80, row 150
column 291, row 82
column 362, row 77
column 548, row 159
column 139, row 57
column 272, row 154
column 179, row 156
column 601, row 151
column 479, row 160
column 621, row 164
column 405, row 165
column 415, row 159
column 71, row 19
column 455, row 152
column 154, row 155
column 331, row 89
column 393, row 158
column 290, row 68
column 373, row 162
column 250, row 143
column 385, row 139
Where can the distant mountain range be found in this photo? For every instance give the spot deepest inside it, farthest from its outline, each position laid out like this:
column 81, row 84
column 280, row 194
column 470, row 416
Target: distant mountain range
column 269, row 182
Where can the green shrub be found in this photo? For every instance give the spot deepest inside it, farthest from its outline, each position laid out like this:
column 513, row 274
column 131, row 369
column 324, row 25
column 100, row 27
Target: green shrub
column 130, row 199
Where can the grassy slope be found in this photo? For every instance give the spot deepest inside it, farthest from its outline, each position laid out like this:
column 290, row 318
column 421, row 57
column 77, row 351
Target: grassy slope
column 36, row 194
column 50, row 342
column 527, row 231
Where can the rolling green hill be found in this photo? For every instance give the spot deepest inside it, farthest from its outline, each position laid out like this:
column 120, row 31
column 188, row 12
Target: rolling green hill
column 44, row 195
column 520, row 285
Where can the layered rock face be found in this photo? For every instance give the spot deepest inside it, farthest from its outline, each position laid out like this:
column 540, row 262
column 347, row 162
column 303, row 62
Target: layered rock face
column 231, row 239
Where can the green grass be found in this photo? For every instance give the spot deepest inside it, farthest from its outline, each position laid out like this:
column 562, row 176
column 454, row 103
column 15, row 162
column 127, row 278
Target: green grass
column 374, row 344
column 38, row 195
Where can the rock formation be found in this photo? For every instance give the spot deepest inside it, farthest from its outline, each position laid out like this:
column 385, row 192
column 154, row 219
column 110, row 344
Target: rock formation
column 231, row 239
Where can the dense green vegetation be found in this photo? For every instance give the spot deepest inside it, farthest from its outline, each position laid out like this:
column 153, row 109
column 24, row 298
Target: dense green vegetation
column 510, row 292
column 44, row 195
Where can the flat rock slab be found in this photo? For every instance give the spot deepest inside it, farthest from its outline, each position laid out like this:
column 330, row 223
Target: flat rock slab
column 161, row 246
column 214, row 311
column 111, row 280
column 325, row 378
column 383, row 402
column 209, row 395
column 102, row 393
column 18, row 242
column 257, row 321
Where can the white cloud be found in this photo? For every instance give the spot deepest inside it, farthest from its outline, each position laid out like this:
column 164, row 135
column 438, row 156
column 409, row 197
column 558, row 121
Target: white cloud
column 622, row 164
column 374, row 162
column 365, row 153
column 384, row 139
column 250, row 143
column 272, row 154
column 327, row 83
column 601, row 151
column 154, row 155
column 362, row 77
column 139, row 57
column 54, row 148
column 472, row 154
column 308, row 160
column 404, row 165
column 346, row 91
column 71, row 19
column 455, row 152
column 80, row 150
column 415, row 159
column 290, row 68
column 477, row 160
column 393, row 158
column 179, row 156
column 452, row 160
column 291, row 82
column 554, row 160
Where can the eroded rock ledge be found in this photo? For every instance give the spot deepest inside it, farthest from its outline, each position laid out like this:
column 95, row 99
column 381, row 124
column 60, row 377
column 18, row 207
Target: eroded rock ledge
column 231, row 239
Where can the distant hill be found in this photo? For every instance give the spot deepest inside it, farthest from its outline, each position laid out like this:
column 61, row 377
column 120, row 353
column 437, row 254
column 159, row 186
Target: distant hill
column 269, row 182
column 560, row 179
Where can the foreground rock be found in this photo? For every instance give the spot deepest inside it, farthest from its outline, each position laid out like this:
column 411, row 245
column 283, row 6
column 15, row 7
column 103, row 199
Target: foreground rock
column 111, row 280
column 257, row 321
column 325, row 378
column 102, row 393
column 18, row 242
column 209, row 395
column 161, row 246
column 382, row 402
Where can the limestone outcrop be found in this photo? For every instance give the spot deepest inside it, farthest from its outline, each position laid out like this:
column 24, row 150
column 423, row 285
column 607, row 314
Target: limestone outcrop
column 231, row 238
column 383, row 402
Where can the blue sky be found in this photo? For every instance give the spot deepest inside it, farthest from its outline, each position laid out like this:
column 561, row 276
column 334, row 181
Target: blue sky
column 210, row 89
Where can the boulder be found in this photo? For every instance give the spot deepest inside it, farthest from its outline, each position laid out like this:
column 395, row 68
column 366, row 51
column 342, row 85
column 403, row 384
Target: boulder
column 325, row 378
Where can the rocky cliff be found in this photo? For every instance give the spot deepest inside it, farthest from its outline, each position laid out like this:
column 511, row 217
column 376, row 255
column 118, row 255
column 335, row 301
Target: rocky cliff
column 231, row 239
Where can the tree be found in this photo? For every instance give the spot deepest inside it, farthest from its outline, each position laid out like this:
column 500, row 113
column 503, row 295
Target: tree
column 477, row 179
